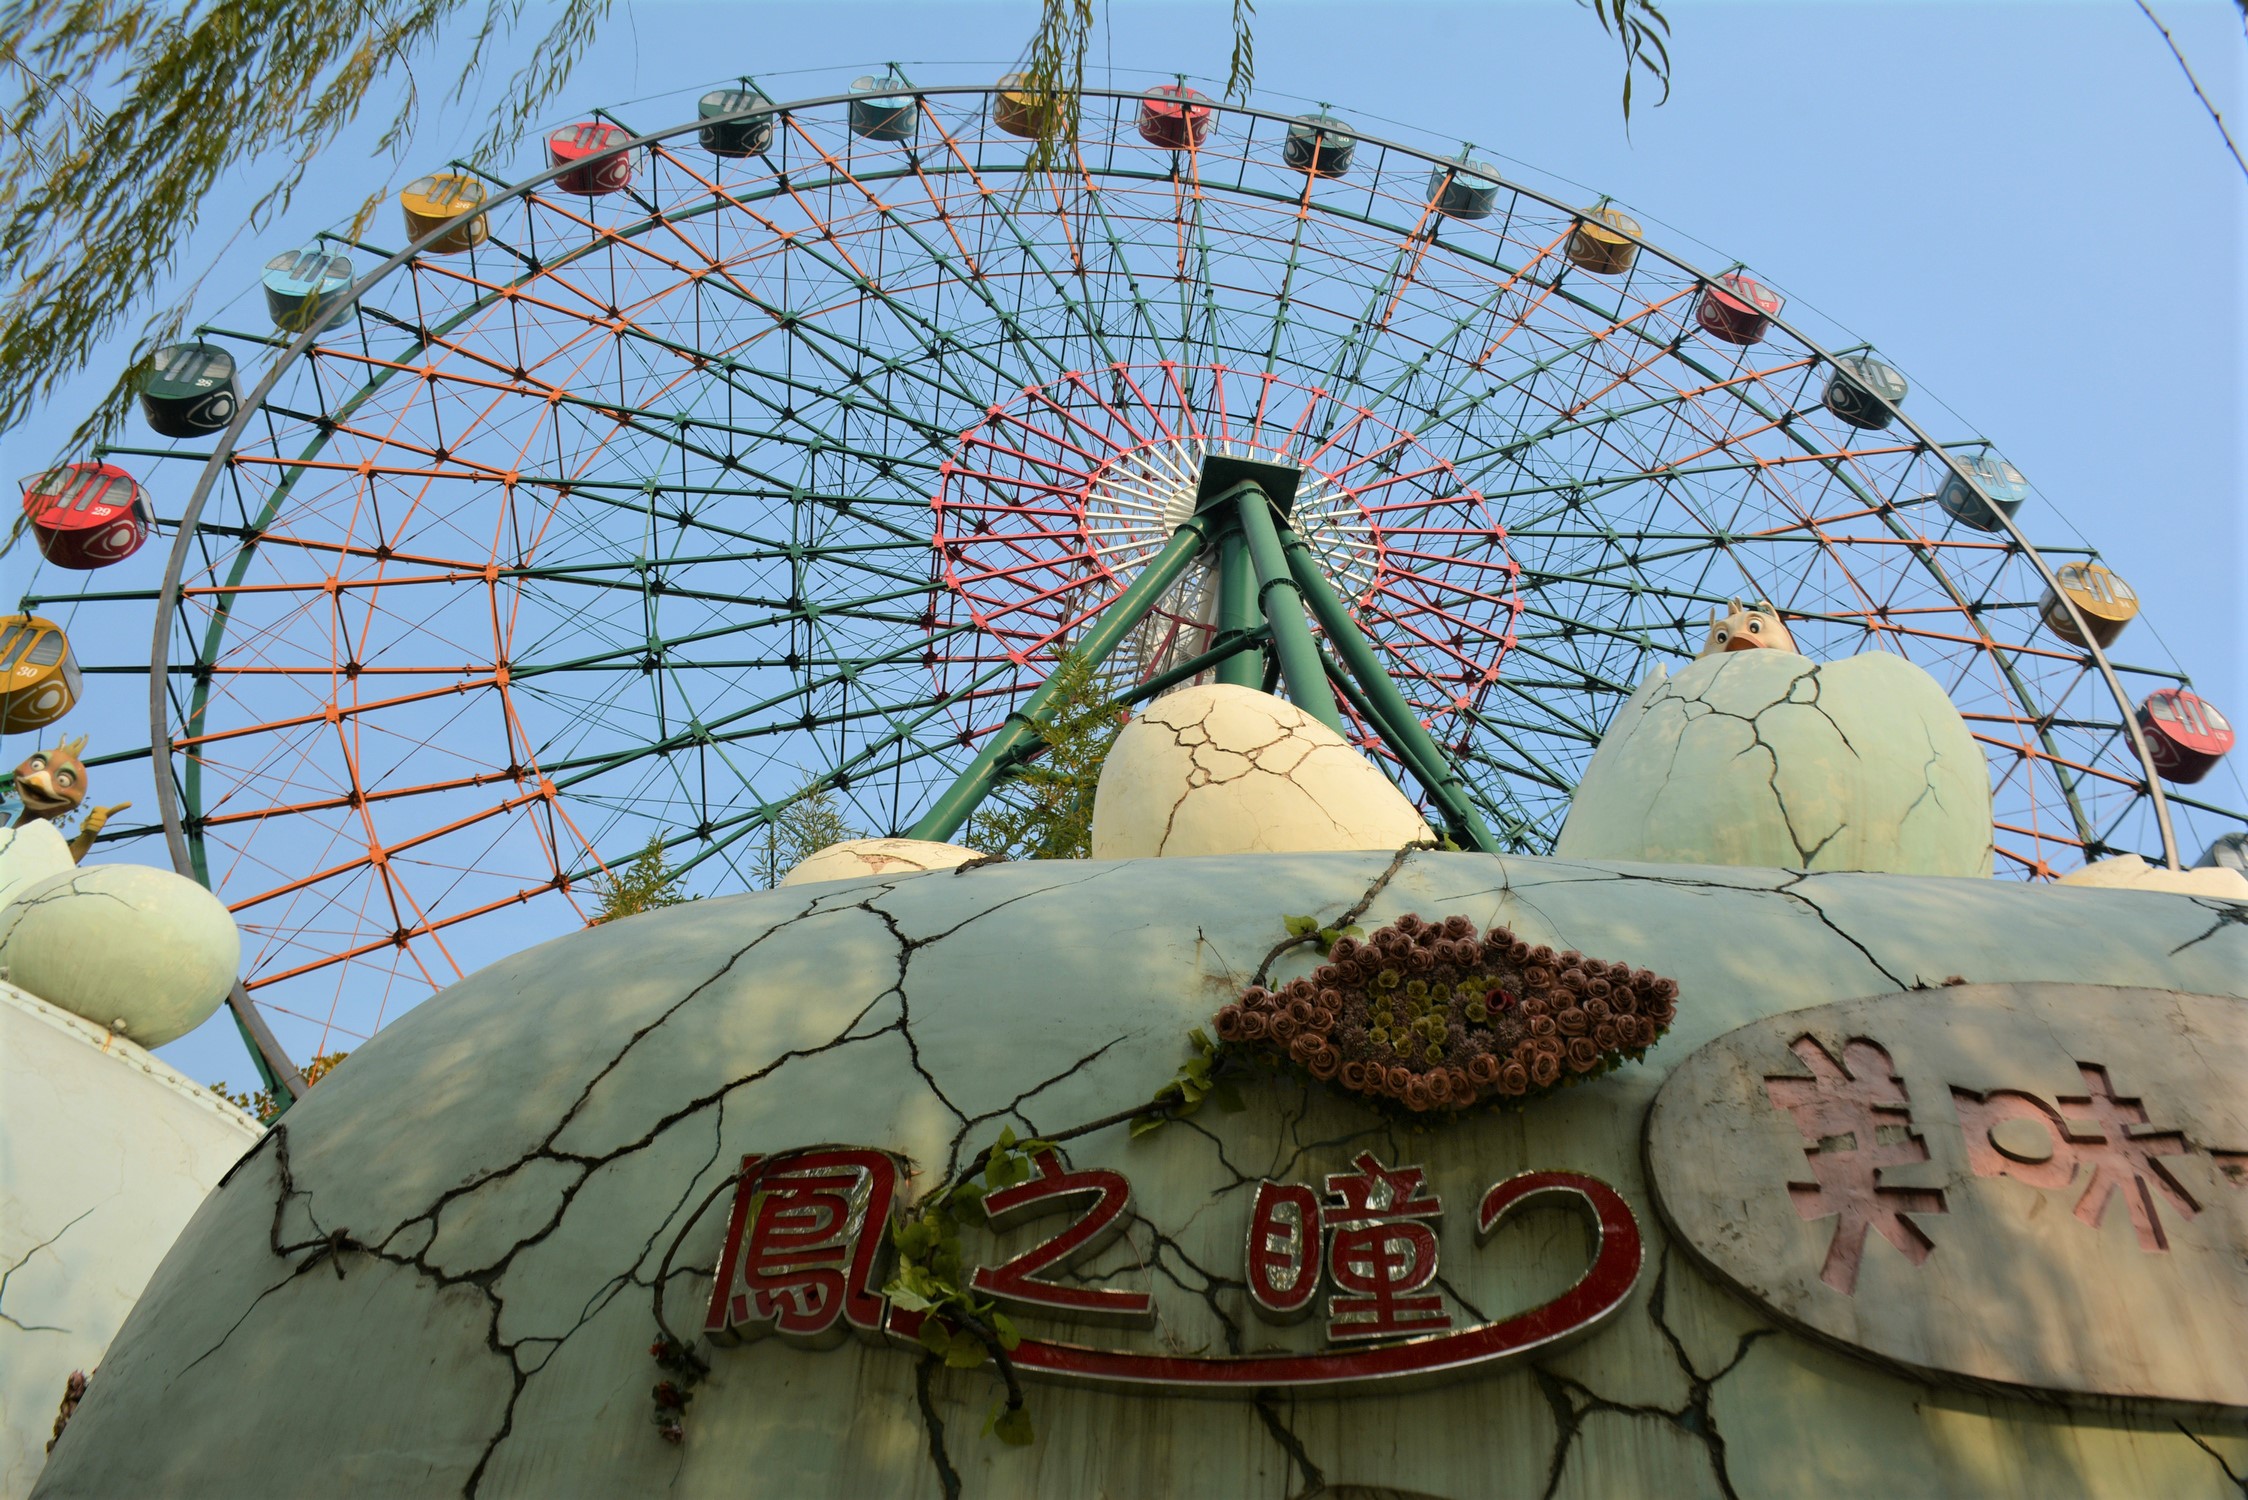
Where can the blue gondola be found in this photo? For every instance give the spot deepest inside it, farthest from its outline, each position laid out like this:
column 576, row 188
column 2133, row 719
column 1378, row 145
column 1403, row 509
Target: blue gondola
column 1463, row 189
column 307, row 288
column 1989, row 481
column 882, row 109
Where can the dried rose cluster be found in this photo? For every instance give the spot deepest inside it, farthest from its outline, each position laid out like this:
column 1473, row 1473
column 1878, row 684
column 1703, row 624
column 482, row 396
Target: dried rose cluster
column 1439, row 1017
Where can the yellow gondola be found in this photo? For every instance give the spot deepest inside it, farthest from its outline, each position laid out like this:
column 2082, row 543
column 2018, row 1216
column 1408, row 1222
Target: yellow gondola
column 1017, row 109
column 2105, row 601
column 434, row 201
column 39, row 679
column 1606, row 240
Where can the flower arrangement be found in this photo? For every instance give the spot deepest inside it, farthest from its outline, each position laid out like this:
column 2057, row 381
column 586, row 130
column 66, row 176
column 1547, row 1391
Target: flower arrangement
column 1440, row 1017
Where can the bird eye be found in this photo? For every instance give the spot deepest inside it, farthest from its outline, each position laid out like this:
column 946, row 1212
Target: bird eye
column 1754, row 628
column 37, row 763
column 1721, row 635
column 66, row 778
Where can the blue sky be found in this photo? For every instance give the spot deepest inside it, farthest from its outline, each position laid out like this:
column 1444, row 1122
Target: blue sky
column 2023, row 206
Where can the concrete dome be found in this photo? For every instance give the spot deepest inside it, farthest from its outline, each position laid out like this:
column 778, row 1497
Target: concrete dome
column 509, row 1165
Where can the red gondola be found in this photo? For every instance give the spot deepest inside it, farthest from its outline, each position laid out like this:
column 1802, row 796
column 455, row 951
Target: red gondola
column 1737, row 309
column 87, row 515
column 593, row 147
column 1175, row 117
column 2186, row 737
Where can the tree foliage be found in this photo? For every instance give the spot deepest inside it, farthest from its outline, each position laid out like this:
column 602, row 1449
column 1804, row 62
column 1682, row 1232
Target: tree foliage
column 645, row 884
column 1044, row 810
column 261, row 1106
column 124, row 120
column 803, row 828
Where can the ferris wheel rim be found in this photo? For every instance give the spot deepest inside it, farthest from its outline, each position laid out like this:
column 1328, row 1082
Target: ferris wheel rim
column 300, row 348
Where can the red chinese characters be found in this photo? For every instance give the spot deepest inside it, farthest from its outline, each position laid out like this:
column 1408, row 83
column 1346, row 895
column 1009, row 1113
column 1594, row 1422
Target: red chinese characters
column 1103, row 1196
column 1381, row 1253
column 1285, row 1251
column 1373, row 1243
column 2053, row 1148
column 805, row 1244
column 1855, row 1124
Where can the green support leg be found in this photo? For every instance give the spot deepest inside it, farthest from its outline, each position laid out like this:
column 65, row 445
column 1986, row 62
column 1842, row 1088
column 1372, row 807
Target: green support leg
column 1237, row 610
column 1283, row 604
column 1020, row 730
column 1398, row 723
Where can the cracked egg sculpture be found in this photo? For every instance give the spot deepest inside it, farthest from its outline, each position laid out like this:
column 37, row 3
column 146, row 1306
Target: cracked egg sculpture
column 1760, row 756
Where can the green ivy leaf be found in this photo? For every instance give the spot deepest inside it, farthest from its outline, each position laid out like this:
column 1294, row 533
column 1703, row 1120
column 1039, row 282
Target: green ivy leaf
column 935, row 1338
column 1004, row 1328
column 909, row 1299
column 1011, row 1427
column 1301, row 926
column 966, row 1353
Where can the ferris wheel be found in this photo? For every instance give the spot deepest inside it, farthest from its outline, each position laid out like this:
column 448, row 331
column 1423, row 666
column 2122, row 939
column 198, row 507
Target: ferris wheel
column 783, row 453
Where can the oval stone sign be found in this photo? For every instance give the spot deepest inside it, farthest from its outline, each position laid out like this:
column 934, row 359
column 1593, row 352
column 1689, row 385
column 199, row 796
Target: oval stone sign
column 2036, row 1185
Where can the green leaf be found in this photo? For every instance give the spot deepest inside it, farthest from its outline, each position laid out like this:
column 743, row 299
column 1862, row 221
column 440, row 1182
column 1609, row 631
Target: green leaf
column 915, row 1238
column 935, row 1338
column 966, row 1353
column 1201, row 1041
column 906, row 1297
column 1012, row 1427
column 1227, row 1097
column 1143, row 1124
column 1301, row 926
column 1006, row 1137
column 1004, row 1328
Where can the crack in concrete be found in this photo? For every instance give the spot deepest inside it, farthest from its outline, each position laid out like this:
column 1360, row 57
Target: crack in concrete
column 2240, row 1481
column 25, row 1259
column 2229, row 914
column 1571, row 1401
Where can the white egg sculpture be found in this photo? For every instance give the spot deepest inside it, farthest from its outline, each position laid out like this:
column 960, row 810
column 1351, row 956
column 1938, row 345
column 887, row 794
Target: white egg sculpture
column 1219, row 769
column 863, row 859
column 143, row 952
column 2131, row 873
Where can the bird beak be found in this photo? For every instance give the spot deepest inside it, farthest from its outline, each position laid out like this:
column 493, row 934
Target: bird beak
column 1744, row 642
column 38, row 791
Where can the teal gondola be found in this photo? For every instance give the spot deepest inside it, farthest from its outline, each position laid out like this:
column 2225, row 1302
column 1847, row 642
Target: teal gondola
column 1865, row 392
column 734, row 137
